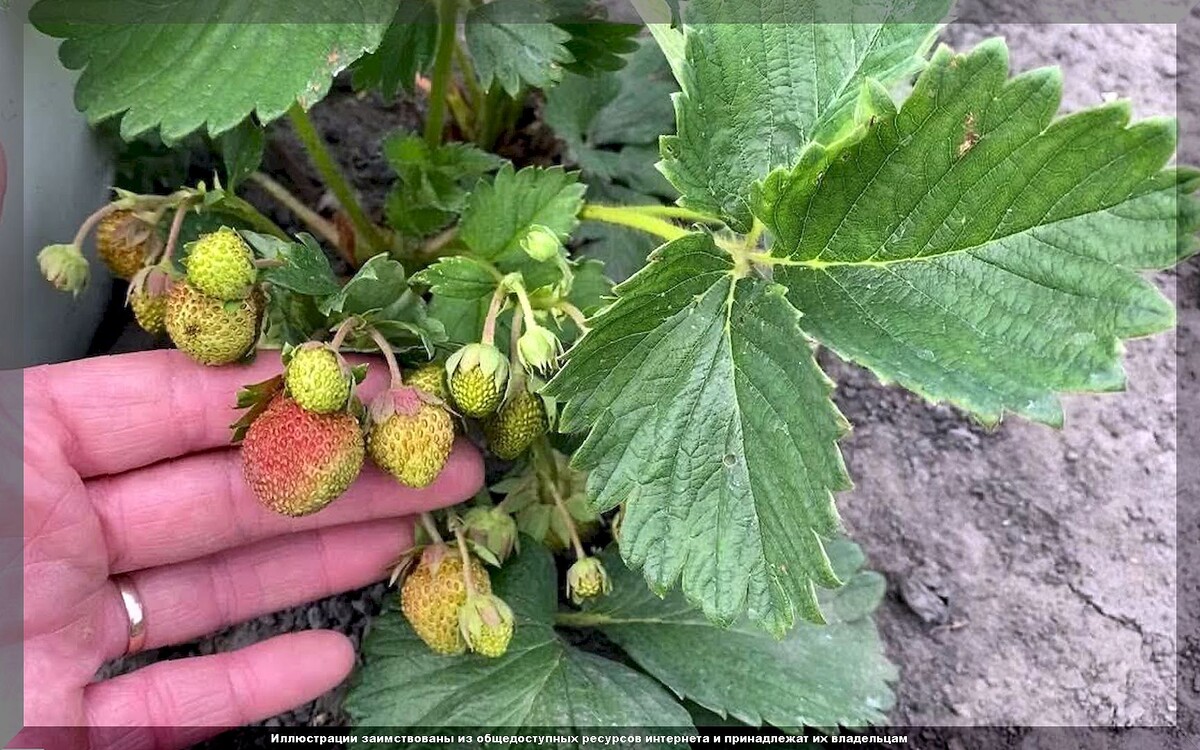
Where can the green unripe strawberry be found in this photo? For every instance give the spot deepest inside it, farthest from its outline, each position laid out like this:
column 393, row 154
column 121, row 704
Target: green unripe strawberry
column 147, row 296
column 477, row 375
column 486, row 623
column 150, row 311
column 209, row 330
column 221, row 265
column 297, row 462
column 125, row 242
column 430, row 378
column 512, row 429
column 433, row 594
column 587, row 579
column 318, row 378
column 411, row 436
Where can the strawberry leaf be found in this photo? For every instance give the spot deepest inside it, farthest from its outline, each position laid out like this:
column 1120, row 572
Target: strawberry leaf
column 242, row 151
column 407, row 49
column 306, row 269
column 611, row 123
column 379, row 295
column 541, row 683
column 710, row 420
column 976, row 250
column 433, row 181
column 736, row 123
column 818, row 676
column 181, row 65
column 498, row 215
column 596, row 44
column 514, row 45
column 460, row 277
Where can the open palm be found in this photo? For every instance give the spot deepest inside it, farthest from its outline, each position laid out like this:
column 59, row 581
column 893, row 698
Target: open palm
column 128, row 470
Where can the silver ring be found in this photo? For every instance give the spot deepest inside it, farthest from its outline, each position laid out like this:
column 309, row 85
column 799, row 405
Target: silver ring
column 134, row 612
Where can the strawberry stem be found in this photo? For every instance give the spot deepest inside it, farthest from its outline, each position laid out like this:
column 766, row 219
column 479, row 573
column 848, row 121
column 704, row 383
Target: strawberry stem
column 516, row 380
column 176, row 228
column 343, row 330
column 468, row 579
column 386, row 350
column 489, row 323
column 332, row 174
column 575, row 314
column 447, row 12
column 431, row 528
column 92, row 221
column 542, row 463
column 308, row 217
column 629, row 216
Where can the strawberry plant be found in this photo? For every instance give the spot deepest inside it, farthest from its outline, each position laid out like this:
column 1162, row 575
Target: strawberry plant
column 760, row 178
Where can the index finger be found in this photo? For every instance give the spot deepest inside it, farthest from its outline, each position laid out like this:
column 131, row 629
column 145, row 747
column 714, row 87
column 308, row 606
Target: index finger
column 131, row 410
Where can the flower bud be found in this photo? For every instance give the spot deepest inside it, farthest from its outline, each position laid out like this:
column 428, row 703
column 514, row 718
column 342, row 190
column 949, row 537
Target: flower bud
column 65, row 267
column 541, row 243
column 538, row 348
column 587, row 579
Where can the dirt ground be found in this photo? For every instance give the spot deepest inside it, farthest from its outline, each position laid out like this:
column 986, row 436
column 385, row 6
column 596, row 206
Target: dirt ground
column 1032, row 573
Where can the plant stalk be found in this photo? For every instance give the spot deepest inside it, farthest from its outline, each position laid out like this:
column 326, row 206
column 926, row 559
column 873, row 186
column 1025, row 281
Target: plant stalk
column 316, row 223
column 468, row 579
column 542, row 464
column 90, row 222
column 343, row 330
column 176, row 228
column 489, row 323
column 231, row 205
column 631, row 217
column 431, row 528
column 330, row 172
column 575, row 314
column 675, row 212
column 389, row 356
column 470, row 79
column 447, row 40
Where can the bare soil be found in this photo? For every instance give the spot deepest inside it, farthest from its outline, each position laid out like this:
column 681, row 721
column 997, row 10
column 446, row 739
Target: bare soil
column 1032, row 572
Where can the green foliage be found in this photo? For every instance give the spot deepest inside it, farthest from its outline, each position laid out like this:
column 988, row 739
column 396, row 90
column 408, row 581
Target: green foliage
column 242, row 151
column 406, row 51
column 459, row 277
column 182, row 65
column 711, row 422
column 596, row 45
column 541, row 682
column 433, row 182
column 513, row 44
column 305, row 268
column 610, row 124
column 498, row 215
column 976, row 250
column 735, row 124
column 818, row 676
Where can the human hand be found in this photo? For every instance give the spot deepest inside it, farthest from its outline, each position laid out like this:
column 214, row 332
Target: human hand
column 128, row 471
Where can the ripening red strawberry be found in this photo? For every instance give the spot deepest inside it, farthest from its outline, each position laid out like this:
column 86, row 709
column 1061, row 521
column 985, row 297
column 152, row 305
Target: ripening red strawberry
column 297, row 461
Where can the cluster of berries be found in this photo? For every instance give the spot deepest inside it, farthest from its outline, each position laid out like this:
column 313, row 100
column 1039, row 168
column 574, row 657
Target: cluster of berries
column 448, row 600
column 306, row 433
column 212, row 312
